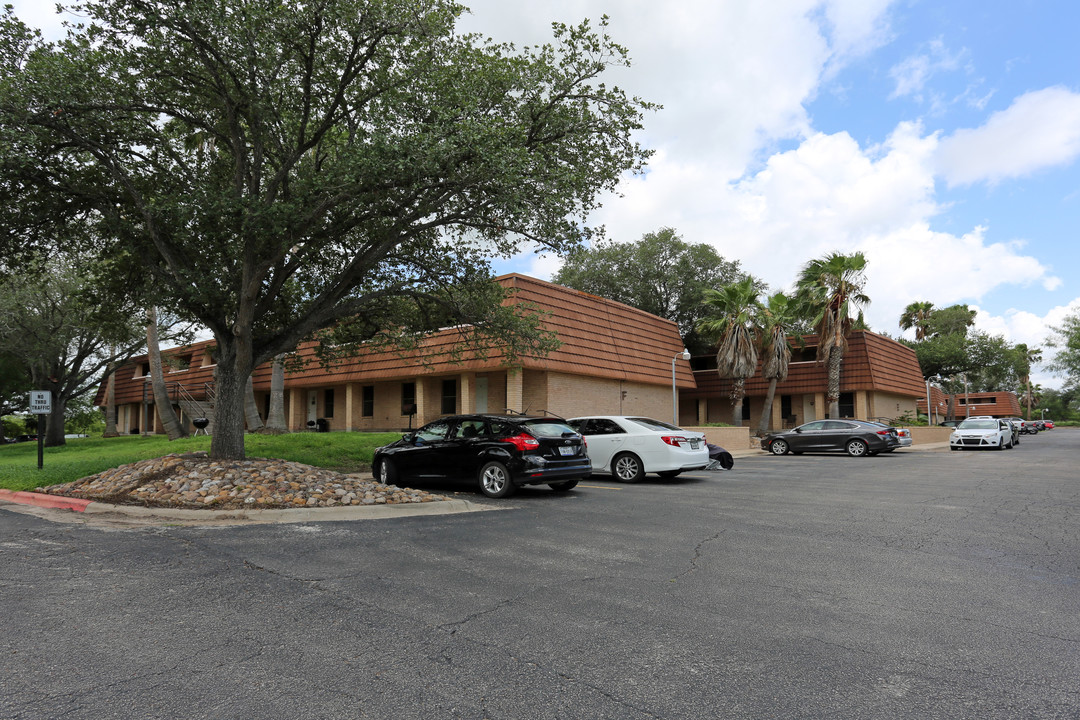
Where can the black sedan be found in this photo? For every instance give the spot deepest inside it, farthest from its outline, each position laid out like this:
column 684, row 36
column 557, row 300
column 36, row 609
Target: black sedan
column 501, row 452
column 855, row 437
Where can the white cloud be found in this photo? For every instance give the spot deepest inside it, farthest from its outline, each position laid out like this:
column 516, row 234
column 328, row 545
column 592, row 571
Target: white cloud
column 830, row 194
column 1041, row 129
column 912, row 73
column 1021, row 326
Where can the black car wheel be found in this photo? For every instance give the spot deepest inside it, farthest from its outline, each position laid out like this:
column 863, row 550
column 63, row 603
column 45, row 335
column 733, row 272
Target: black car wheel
column 385, row 472
column 1001, row 444
column 778, row 447
column 856, row 448
column 627, row 468
column 495, row 480
column 563, row 486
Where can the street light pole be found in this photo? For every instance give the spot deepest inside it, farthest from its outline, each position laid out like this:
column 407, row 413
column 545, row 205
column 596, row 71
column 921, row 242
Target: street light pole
column 685, row 355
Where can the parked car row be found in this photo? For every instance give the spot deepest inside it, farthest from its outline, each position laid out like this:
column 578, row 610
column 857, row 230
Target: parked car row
column 504, row 452
column 20, row 438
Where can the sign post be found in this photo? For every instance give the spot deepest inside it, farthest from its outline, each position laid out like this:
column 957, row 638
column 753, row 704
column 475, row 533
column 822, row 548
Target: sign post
column 40, row 405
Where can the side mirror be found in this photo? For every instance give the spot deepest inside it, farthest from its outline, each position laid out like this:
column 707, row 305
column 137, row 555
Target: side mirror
column 409, row 437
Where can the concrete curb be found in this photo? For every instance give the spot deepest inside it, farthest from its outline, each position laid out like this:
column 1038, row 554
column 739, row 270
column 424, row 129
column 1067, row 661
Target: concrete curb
column 284, row 515
column 45, row 501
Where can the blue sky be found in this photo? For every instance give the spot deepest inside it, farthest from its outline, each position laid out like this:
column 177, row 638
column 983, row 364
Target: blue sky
column 941, row 138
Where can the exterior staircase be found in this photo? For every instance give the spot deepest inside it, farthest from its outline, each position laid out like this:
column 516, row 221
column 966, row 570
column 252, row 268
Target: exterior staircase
column 193, row 408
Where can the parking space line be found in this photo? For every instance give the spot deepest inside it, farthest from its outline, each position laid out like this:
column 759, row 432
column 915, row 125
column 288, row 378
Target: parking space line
column 601, row 487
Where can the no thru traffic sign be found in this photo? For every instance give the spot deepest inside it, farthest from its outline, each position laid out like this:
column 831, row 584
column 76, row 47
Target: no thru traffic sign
column 40, row 402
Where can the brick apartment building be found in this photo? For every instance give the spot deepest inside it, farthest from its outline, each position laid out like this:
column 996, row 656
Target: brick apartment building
column 614, row 359
column 962, row 405
column 880, row 379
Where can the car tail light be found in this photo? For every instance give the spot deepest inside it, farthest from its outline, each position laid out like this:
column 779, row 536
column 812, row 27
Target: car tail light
column 522, row 441
column 882, row 432
column 674, row 439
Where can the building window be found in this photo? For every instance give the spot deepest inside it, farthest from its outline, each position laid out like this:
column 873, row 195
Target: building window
column 408, row 398
column 367, row 405
column 847, row 405
column 328, row 403
column 785, row 407
column 449, row 397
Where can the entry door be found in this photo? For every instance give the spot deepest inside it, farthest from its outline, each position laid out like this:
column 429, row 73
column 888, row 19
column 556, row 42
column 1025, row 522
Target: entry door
column 312, row 405
column 481, row 395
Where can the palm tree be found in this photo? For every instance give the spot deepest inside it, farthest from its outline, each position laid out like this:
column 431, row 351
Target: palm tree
column 916, row 316
column 110, row 401
column 776, row 317
column 252, row 418
column 830, row 289
column 733, row 310
column 275, row 422
column 162, row 401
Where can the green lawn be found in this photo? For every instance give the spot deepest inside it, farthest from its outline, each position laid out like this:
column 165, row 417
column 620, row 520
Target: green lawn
column 340, row 451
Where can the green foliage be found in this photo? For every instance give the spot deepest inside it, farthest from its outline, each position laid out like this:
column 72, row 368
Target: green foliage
column 952, row 320
column 660, row 274
column 14, row 425
column 908, row 419
column 830, row 290
column 343, row 452
column 59, row 333
column 279, row 169
column 83, row 418
column 917, row 315
column 732, row 314
column 1066, row 340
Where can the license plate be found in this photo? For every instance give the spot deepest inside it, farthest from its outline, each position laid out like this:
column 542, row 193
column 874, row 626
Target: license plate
column 563, row 450
column 694, row 444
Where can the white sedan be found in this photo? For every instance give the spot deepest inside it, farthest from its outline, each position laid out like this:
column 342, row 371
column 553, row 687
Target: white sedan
column 982, row 433
column 629, row 447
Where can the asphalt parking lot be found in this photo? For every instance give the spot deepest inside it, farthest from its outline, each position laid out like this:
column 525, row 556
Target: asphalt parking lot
column 919, row 584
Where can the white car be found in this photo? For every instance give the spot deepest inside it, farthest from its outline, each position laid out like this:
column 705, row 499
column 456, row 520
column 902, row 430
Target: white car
column 629, row 447
column 982, row 433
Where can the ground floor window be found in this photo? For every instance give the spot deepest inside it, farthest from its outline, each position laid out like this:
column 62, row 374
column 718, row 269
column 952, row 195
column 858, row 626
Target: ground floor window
column 847, row 405
column 367, row 405
column 449, row 397
column 408, row 398
column 328, row 404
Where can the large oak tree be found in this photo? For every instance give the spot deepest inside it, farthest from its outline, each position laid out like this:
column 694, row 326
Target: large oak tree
column 284, row 168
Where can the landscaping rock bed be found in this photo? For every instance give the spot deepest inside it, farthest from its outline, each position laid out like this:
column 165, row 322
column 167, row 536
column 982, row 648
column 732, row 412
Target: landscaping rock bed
column 195, row 481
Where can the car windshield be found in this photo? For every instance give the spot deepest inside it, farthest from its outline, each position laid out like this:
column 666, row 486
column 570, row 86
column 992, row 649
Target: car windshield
column 548, row 428
column 979, row 425
column 654, row 424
